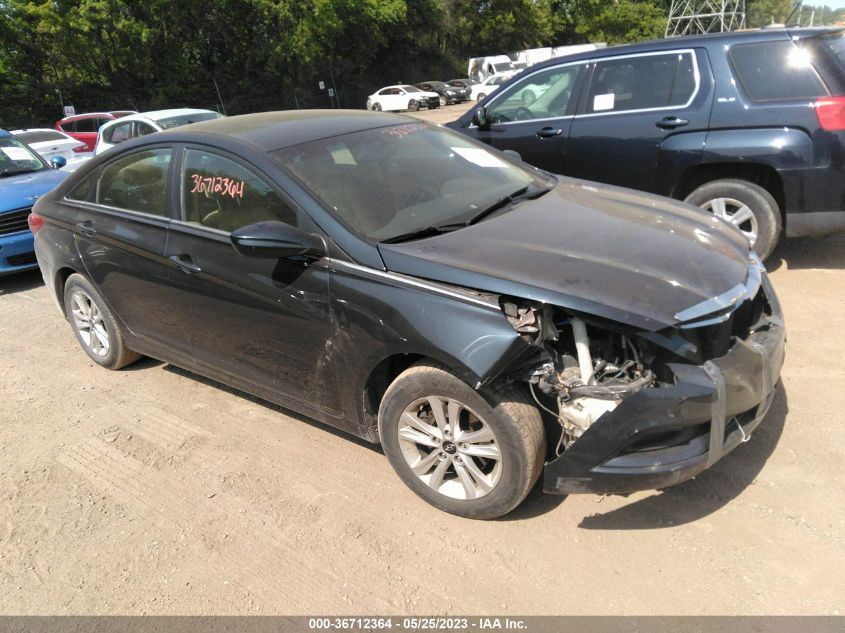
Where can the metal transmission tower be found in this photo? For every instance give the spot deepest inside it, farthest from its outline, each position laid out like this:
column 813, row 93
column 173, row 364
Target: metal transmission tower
column 688, row 17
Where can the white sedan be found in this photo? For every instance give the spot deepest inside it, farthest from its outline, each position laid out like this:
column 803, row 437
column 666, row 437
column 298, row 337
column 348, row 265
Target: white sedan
column 488, row 86
column 143, row 123
column 49, row 143
column 402, row 97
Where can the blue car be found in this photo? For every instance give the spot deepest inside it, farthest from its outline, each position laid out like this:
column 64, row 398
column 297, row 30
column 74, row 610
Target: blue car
column 24, row 177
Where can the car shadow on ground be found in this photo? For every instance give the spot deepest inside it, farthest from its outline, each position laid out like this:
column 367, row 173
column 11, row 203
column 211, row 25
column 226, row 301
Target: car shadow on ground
column 270, row 406
column 20, row 282
column 808, row 252
column 707, row 493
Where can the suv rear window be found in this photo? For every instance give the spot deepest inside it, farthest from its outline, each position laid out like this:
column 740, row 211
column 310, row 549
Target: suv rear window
column 776, row 71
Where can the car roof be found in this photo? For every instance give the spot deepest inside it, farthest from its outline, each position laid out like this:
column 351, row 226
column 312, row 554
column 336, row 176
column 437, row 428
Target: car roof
column 706, row 39
column 270, row 131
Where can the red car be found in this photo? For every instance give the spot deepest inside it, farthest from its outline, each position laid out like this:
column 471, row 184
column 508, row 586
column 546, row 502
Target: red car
column 84, row 127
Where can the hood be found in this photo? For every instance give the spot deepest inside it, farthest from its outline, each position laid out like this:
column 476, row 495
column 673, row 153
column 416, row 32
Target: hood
column 21, row 191
column 634, row 258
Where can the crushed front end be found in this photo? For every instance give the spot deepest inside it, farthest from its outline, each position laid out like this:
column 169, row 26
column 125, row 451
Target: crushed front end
column 643, row 410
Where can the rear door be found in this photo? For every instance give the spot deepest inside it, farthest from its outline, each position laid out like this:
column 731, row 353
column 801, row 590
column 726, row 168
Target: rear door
column 258, row 320
column 120, row 219
column 85, row 130
column 631, row 106
column 533, row 116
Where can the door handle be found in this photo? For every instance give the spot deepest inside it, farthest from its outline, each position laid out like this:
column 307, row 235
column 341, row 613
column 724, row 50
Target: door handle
column 184, row 263
column 86, row 228
column 671, row 122
column 549, row 132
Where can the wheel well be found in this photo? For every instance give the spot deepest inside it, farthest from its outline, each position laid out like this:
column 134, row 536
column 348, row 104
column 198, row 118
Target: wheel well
column 379, row 380
column 61, row 279
column 759, row 174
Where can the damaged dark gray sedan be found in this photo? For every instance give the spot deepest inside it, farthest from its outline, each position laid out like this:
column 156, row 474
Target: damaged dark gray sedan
column 486, row 322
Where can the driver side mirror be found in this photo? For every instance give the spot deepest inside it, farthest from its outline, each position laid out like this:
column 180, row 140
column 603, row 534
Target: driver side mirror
column 480, row 118
column 58, row 162
column 275, row 239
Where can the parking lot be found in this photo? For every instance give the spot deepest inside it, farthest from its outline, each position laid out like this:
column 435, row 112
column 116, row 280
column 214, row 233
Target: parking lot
column 152, row 490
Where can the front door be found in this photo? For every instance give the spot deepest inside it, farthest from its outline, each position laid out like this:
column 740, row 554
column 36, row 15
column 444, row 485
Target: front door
column 533, row 116
column 632, row 108
column 262, row 321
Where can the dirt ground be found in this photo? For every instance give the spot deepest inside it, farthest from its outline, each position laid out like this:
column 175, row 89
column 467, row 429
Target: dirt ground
column 154, row 491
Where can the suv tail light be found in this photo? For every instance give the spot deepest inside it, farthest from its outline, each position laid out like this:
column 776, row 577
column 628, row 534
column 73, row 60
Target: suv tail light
column 35, row 222
column 831, row 113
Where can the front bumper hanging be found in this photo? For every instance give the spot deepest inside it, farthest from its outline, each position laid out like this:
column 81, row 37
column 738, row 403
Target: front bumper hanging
column 732, row 393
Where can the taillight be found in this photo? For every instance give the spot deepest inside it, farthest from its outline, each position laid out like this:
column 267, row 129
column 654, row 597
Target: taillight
column 831, row 113
column 35, row 222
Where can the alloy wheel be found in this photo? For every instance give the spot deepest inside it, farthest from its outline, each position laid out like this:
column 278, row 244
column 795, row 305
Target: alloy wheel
column 88, row 321
column 450, row 448
column 737, row 213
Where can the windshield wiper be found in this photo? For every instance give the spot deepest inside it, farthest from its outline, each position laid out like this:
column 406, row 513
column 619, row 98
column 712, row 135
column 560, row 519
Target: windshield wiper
column 523, row 193
column 425, row 231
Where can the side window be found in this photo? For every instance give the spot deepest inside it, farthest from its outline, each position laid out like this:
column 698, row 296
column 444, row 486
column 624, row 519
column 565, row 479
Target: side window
column 137, row 182
column 221, row 194
column 772, row 71
column 86, row 125
column 118, row 133
column 70, row 126
column 642, row 82
column 86, row 190
column 142, row 129
column 542, row 95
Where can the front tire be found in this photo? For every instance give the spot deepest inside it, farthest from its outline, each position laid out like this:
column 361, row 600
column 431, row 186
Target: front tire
column 443, row 101
column 413, row 105
column 749, row 207
column 473, row 455
column 97, row 331
column 481, row 97
column 377, row 107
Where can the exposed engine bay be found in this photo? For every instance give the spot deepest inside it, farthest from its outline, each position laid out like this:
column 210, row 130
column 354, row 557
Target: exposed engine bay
column 588, row 373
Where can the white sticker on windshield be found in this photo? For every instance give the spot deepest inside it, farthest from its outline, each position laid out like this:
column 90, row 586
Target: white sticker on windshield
column 16, row 153
column 604, row 102
column 479, row 156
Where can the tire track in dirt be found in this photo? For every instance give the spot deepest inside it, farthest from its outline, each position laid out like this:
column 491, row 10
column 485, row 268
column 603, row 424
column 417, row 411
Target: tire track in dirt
column 246, row 548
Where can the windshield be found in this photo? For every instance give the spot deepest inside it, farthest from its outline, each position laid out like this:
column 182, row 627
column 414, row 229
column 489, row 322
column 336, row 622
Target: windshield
column 395, row 180
column 410, row 89
column 503, row 68
column 17, row 158
column 186, row 119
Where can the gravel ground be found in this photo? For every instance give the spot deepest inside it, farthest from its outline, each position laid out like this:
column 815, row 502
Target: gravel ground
column 154, row 491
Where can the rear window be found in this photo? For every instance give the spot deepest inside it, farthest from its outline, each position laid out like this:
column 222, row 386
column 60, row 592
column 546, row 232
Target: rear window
column 187, row 119
column 776, row 71
column 40, row 136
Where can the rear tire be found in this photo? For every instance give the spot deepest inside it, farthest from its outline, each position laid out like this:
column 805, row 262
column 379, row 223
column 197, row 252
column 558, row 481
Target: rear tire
column 97, row 331
column 488, row 448
column 747, row 206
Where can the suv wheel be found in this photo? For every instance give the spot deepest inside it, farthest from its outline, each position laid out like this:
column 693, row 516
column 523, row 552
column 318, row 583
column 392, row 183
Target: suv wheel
column 747, row 206
column 94, row 325
column 471, row 455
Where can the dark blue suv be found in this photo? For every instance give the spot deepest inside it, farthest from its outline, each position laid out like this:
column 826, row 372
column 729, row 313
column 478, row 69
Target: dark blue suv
column 748, row 125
